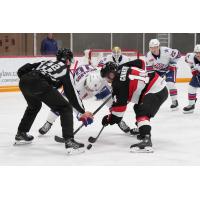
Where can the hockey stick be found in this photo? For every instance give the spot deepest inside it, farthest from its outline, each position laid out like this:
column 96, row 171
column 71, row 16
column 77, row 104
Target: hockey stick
column 75, row 66
column 62, row 140
column 93, row 140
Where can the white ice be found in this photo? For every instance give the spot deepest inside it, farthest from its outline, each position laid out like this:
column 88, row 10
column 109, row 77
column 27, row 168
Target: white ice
column 175, row 137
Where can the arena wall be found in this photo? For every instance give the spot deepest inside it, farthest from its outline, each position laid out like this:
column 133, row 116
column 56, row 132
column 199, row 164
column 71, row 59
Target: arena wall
column 9, row 66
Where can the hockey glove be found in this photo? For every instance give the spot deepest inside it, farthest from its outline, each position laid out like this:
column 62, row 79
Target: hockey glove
column 195, row 72
column 103, row 93
column 86, row 118
column 172, row 68
column 110, row 119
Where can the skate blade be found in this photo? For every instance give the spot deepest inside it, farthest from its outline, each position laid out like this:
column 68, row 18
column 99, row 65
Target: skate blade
column 188, row 112
column 174, row 109
column 22, row 142
column 72, row 151
column 145, row 150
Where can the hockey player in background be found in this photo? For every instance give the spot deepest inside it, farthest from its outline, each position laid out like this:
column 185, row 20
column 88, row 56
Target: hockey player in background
column 39, row 83
column 88, row 83
column 193, row 61
column 116, row 56
column 164, row 60
column 147, row 91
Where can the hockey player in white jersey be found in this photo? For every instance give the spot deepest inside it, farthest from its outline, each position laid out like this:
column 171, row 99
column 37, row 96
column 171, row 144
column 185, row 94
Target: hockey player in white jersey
column 164, row 60
column 88, row 83
column 193, row 61
column 116, row 57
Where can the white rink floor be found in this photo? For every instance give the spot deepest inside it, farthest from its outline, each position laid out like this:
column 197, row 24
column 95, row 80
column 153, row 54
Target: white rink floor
column 175, row 136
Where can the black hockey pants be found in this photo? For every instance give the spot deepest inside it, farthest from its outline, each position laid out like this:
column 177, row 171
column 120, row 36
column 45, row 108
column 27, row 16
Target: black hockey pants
column 149, row 106
column 36, row 89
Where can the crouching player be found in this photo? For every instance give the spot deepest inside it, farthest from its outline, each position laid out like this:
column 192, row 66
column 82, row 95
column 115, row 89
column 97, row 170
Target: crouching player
column 147, row 90
column 88, row 83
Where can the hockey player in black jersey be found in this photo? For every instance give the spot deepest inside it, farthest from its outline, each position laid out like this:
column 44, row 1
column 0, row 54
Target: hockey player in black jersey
column 39, row 83
column 146, row 91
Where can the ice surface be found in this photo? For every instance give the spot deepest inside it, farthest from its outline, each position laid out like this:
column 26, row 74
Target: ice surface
column 175, row 137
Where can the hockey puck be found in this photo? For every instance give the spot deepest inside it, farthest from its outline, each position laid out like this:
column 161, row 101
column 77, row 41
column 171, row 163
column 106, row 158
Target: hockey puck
column 89, row 146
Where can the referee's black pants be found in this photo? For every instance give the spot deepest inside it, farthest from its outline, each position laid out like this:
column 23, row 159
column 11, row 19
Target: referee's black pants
column 36, row 89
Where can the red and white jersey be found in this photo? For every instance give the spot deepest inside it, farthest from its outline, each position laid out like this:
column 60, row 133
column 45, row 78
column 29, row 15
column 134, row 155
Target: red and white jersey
column 122, row 59
column 167, row 58
column 131, row 85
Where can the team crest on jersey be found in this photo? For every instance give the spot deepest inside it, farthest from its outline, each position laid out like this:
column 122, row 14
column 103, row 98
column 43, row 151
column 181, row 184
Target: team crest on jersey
column 166, row 50
column 159, row 66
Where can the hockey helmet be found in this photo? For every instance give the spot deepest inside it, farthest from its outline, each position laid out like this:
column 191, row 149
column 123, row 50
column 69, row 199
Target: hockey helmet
column 93, row 81
column 154, row 43
column 64, row 54
column 107, row 68
column 116, row 53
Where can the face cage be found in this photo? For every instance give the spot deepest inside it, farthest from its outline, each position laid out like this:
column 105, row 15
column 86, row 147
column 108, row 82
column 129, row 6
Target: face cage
column 116, row 56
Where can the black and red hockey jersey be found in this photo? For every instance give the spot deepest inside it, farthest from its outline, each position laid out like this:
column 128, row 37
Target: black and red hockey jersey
column 131, row 84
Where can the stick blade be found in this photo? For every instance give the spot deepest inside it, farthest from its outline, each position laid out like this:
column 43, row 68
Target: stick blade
column 59, row 139
column 91, row 140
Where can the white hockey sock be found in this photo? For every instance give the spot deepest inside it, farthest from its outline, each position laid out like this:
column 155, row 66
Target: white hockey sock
column 52, row 117
column 172, row 90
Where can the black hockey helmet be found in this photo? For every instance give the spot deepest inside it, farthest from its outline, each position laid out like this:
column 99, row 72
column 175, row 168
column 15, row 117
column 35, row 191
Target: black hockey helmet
column 107, row 68
column 64, row 54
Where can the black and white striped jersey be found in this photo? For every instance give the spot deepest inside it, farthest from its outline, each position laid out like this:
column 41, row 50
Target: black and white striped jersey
column 54, row 70
column 57, row 74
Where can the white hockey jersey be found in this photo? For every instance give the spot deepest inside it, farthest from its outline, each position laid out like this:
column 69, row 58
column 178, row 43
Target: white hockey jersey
column 168, row 57
column 122, row 59
column 80, row 76
column 191, row 60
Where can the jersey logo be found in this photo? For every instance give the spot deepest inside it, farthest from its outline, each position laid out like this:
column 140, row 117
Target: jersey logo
column 159, row 66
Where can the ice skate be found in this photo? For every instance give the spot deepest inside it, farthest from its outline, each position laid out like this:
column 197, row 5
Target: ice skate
column 174, row 105
column 23, row 138
column 74, row 147
column 134, row 132
column 189, row 109
column 45, row 128
column 126, row 129
column 145, row 146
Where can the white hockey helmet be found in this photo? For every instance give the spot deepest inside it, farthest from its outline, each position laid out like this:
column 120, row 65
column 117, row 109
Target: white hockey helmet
column 197, row 48
column 93, row 81
column 154, row 43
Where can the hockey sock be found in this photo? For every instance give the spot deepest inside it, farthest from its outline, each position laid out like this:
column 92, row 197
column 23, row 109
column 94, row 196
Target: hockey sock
column 144, row 126
column 172, row 90
column 192, row 96
column 52, row 116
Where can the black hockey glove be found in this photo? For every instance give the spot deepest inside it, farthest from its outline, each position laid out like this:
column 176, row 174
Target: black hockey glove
column 110, row 119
